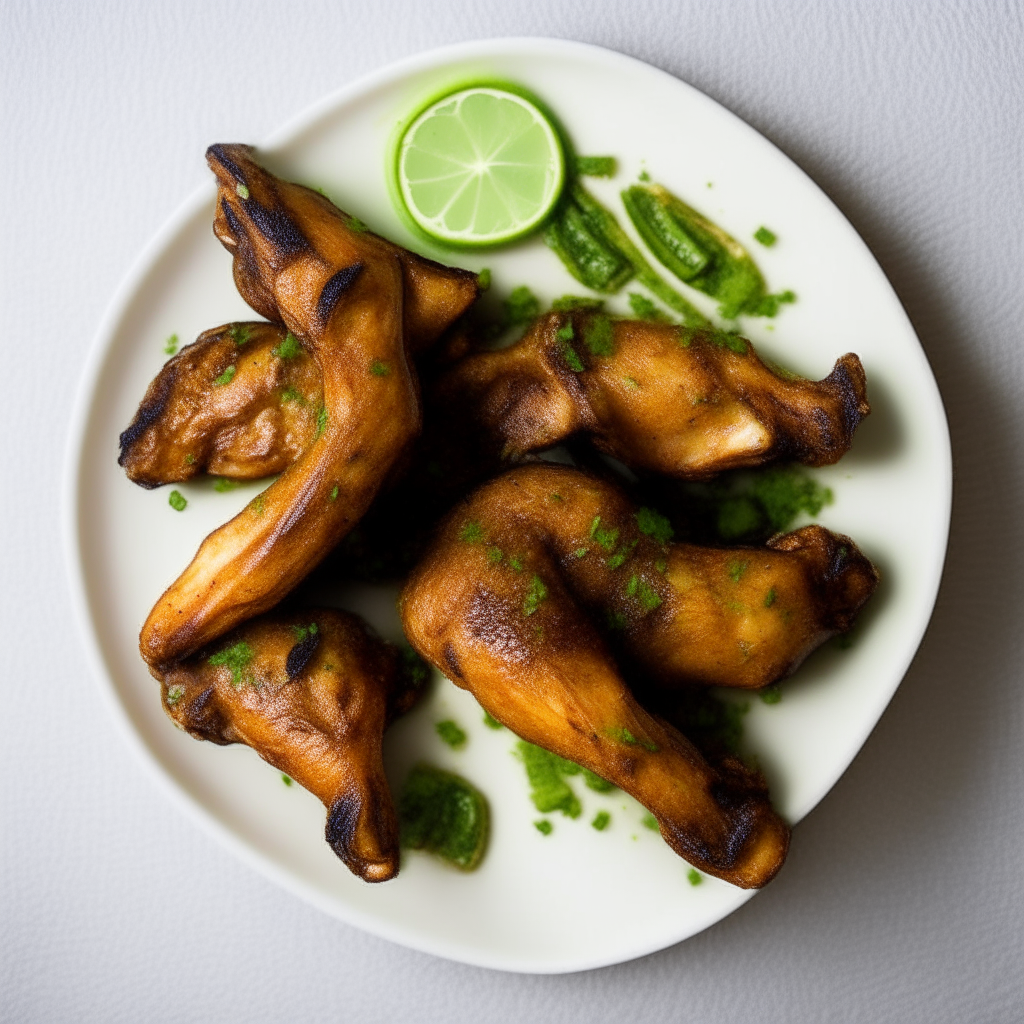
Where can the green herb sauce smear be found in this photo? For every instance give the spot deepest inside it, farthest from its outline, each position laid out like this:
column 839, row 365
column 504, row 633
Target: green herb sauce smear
column 443, row 814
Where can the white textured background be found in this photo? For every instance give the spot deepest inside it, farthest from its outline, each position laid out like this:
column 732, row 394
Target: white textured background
column 903, row 899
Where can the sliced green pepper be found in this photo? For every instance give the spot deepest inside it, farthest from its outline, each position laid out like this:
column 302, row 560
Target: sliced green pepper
column 577, row 235
column 598, row 253
column 679, row 236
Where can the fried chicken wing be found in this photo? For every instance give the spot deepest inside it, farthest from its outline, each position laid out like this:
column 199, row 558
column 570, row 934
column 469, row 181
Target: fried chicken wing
column 688, row 402
column 341, row 291
column 500, row 605
column 242, row 401
column 684, row 615
column 311, row 693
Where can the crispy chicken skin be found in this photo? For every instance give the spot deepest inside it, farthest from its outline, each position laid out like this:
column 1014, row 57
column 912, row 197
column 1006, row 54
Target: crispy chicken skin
column 341, row 291
column 193, row 420
column 682, row 614
column 685, row 402
column 311, row 693
column 499, row 605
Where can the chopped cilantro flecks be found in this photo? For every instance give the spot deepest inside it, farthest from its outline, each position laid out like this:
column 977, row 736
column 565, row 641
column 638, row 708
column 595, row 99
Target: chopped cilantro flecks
column 544, row 827
column 521, row 306
column 483, row 279
column 174, row 694
column 321, row 421
column 596, row 166
column 753, row 506
column 495, row 555
column 236, row 659
column 646, row 594
column 661, row 565
column 189, row 459
column 651, row 822
column 644, row 176
column 599, row 336
column 601, row 821
column 631, row 383
column 471, row 532
column 226, row 377
column 644, row 309
column 515, row 563
column 580, row 552
column 694, row 877
column 171, row 345
column 451, row 733
column 558, row 497
column 302, row 632
column 606, row 538
column 177, row 501
column 290, row 348
column 736, row 570
column 537, row 593
column 769, row 598
column 617, row 560
column 286, row 779
column 771, row 695
column 567, row 303
column 222, row 484
column 655, row 525
column 242, row 191
column 239, row 334
column 491, row 722
column 292, row 394
column 379, row 369
column 623, row 735
column 334, row 493
column 617, row 621
column 356, row 225
column 765, row 237
column 545, row 772
column 257, row 504
column 769, row 304
column 564, row 335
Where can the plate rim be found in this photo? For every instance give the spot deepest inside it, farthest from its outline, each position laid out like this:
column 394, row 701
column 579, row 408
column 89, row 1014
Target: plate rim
column 71, row 528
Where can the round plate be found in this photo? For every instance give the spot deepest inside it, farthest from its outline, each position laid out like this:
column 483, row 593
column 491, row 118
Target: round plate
column 578, row 898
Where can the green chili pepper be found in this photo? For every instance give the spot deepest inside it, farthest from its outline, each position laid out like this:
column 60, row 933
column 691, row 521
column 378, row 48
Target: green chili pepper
column 697, row 251
column 577, row 235
column 597, row 252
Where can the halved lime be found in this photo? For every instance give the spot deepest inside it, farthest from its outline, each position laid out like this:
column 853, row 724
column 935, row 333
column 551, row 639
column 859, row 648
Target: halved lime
column 479, row 167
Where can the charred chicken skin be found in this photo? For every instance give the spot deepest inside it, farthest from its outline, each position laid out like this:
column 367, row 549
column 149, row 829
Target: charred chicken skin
column 341, row 291
column 685, row 402
column 502, row 604
column 311, row 693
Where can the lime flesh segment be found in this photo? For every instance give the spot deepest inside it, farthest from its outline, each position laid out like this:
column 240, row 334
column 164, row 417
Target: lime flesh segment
column 481, row 166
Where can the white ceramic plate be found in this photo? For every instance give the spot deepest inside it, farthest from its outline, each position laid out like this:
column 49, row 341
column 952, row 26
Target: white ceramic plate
column 578, row 898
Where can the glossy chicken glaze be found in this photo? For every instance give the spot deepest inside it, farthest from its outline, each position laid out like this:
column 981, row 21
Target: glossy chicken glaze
column 311, row 692
column 341, row 291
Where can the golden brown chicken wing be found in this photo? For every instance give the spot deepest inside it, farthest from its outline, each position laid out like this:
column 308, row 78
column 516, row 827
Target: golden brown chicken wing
column 311, row 693
column 686, row 402
column 341, row 291
column 242, row 401
column 685, row 615
column 500, row 605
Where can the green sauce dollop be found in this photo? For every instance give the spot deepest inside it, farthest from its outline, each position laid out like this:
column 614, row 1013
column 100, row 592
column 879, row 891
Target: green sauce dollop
column 442, row 813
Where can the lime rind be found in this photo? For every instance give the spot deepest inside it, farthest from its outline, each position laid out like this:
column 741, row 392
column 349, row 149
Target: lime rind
column 479, row 167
